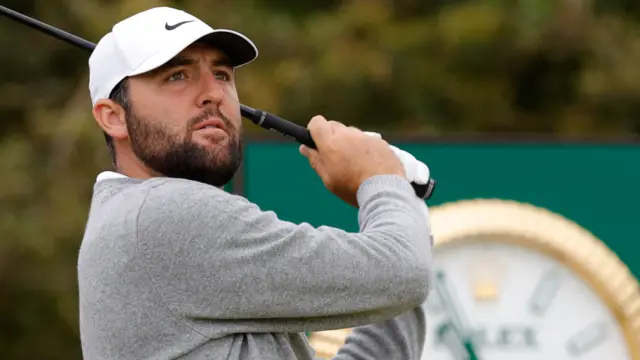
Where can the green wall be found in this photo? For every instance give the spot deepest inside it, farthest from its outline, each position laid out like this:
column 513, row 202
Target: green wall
column 594, row 185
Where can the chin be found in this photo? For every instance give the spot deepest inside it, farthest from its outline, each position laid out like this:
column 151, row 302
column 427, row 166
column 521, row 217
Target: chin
column 214, row 141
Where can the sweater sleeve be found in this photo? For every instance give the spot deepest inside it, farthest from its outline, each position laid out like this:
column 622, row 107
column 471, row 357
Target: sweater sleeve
column 400, row 338
column 214, row 255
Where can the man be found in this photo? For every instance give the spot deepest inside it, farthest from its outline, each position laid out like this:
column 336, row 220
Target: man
column 173, row 267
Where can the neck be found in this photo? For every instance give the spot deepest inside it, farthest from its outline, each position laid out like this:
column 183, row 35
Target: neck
column 129, row 165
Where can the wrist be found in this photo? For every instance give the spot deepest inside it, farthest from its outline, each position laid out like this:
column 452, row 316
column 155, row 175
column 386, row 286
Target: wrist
column 382, row 182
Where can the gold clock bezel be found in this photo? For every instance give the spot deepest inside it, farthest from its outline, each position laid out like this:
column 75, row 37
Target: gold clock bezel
column 541, row 230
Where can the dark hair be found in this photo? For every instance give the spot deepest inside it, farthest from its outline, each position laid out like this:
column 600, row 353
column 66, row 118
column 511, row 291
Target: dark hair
column 120, row 95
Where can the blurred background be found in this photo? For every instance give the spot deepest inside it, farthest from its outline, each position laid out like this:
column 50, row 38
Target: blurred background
column 532, row 100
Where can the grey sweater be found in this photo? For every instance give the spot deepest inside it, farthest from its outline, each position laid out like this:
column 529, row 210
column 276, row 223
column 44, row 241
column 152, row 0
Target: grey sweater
column 175, row 269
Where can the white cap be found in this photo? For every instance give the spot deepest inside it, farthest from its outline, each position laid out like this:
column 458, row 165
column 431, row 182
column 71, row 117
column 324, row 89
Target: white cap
column 149, row 39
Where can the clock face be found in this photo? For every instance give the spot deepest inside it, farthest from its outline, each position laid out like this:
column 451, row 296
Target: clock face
column 517, row 303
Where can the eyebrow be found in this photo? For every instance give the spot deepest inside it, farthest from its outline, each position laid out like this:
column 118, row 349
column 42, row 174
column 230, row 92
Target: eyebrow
column 181, row 60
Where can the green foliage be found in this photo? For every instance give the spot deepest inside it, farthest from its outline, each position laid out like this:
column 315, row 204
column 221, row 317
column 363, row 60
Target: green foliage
column 405, row 66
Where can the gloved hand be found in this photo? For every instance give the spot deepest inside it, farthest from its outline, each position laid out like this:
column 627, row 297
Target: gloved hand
column 415, row 171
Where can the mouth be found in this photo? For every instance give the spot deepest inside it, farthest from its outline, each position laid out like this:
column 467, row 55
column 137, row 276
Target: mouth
column 213, row 123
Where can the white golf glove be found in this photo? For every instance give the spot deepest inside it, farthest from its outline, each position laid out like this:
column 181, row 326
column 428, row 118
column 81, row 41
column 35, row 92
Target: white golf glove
column 415, row 171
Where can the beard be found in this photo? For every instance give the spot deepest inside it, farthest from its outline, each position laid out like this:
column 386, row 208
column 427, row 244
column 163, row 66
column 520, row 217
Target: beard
column 178, row 156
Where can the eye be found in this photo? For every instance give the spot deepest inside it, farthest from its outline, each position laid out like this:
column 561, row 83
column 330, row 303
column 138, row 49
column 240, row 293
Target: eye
column 222, row 75
column 180, row 75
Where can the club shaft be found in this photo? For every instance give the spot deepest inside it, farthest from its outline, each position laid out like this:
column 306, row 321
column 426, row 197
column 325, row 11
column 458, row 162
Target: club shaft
column 48, row 29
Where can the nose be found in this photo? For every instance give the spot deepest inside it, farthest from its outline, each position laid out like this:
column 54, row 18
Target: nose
column 211, row 93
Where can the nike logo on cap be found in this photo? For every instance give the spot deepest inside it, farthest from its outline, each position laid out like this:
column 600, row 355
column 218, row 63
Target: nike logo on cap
column 175, row 26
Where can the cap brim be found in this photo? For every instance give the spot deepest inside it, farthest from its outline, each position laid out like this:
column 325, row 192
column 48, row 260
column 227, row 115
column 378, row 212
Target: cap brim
column 238, row 48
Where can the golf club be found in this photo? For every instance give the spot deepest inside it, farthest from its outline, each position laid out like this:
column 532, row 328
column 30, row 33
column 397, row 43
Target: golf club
column 259, row 117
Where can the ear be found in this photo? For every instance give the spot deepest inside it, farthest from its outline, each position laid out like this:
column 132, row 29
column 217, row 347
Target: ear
column 110, row 116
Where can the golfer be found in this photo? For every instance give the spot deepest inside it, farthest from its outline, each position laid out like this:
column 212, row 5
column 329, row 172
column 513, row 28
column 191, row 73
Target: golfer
column 173, row 267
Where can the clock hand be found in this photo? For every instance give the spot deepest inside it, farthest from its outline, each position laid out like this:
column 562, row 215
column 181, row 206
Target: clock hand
column 450, row 337
column 456, row 314
column 460, row 346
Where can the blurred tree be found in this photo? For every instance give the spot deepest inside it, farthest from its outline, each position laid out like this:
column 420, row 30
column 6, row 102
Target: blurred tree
column 561, row 67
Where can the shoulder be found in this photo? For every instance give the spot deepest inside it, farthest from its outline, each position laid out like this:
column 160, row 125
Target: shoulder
column 182, row 199
column 172, row 188
column 177, row 211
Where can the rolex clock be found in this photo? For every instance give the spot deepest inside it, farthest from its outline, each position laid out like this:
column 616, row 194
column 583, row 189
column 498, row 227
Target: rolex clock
column 516, row 282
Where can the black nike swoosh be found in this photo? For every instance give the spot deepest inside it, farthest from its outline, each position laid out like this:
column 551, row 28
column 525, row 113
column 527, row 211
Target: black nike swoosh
column 175, row 26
